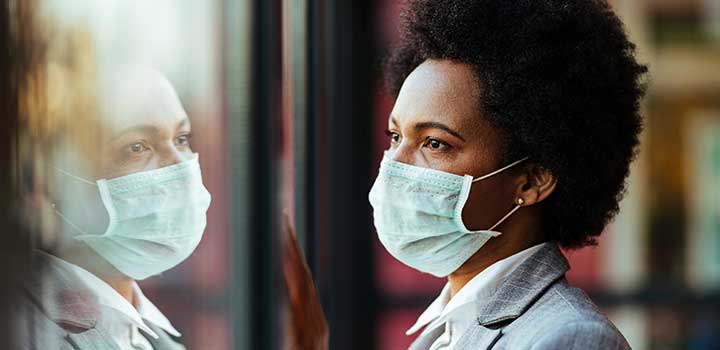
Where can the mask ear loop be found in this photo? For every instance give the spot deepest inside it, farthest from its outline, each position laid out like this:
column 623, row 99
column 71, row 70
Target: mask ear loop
column 500, row 170
column 75, row 176
column 67, row 221
column 520, row 201
column 519, row 204
column 57, row 211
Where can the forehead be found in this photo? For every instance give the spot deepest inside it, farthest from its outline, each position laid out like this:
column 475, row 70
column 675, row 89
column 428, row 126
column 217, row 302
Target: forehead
column 131, row 96
column 439, row 90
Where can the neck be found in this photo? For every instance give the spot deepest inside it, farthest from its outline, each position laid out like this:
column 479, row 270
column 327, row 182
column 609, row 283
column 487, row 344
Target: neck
column 124, row 286
column 82, row 256
column 518, row 235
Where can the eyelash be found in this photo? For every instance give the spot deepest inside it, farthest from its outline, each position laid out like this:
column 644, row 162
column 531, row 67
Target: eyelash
column 444, row 145
column 129, row 148
column 187, row 137
column 391, row 135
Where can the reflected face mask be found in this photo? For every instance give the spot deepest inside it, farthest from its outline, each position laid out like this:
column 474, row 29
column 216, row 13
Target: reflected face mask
column 418, row 216
column 157, row 218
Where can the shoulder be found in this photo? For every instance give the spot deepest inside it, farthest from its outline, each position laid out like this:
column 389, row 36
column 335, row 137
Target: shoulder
column 564, row 317
column 583, row 334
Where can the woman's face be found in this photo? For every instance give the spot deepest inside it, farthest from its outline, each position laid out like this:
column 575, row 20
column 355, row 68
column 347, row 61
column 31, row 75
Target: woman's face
column 436, row 123
column 147, row 126
column 144, row 127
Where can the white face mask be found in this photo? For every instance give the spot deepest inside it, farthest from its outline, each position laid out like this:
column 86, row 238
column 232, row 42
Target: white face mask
column 156, row 218
column 418, row 216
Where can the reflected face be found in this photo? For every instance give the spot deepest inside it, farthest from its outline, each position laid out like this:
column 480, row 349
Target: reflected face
column 144, row 127
column 437, row 123
column 147, row 127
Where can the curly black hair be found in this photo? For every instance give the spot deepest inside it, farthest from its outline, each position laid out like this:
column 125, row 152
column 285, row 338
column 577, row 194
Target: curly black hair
column 559, row 78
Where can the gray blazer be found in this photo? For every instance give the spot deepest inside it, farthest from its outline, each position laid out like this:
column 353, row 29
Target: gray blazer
column 536, row 309
column 57, row 315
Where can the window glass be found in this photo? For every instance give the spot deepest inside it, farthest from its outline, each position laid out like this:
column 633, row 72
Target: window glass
column 128, row 152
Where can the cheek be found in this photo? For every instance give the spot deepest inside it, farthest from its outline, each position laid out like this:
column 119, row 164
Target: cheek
column 123, row 165
column 186, row 151
column 82, row 206
column 461, row 160
column 488, row 202
column 477, row 157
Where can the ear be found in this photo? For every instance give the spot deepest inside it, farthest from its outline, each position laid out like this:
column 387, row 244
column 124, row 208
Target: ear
column 535, row 184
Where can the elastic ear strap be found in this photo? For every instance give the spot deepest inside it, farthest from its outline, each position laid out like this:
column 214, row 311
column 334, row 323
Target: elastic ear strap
column 500, row 170
column 67, row 221
column 517, row 206
column 74, row 176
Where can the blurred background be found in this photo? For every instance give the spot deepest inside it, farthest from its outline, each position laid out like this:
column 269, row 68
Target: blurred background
column 288, row 112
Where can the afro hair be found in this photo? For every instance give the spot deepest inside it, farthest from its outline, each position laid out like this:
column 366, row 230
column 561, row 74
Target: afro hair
column 559, row 78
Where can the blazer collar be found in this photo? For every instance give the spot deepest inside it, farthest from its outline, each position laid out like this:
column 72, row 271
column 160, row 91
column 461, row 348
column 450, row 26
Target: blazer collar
column 524, row 285
column 58, row 295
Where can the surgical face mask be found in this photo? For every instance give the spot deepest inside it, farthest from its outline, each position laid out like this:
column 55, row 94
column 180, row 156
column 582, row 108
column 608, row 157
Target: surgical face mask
column 418, row 216
column 156, row 218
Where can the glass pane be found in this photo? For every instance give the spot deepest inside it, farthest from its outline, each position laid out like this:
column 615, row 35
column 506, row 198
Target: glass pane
column 126, row 162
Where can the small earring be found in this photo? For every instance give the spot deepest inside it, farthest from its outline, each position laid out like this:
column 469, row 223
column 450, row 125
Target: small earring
column 520, row 201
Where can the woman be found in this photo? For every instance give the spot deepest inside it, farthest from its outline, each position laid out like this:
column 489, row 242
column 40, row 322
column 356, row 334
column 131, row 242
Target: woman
column 511, row 136
column 536, row 104
column 130, row 206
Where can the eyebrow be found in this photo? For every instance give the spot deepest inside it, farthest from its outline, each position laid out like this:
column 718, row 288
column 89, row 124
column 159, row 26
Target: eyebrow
column 433, row 125
column 184, row 122
column 147, row 129
column 143, row 129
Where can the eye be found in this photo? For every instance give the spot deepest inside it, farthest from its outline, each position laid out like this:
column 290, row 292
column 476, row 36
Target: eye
column 183, row 140
column 436, row 145
column 137, row 148
column 394, row 137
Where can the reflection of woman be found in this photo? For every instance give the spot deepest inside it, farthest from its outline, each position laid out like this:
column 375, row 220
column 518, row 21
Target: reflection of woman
column 511, row 136
column 129, row 207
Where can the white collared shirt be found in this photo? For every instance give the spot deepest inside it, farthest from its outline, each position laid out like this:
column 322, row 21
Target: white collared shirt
column 455, row 313
column 121, row 319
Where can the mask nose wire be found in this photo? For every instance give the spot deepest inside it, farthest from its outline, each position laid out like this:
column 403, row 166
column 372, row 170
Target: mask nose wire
column 500, row 170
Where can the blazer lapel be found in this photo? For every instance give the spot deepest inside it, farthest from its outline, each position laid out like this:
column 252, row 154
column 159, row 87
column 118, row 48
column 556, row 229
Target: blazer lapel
column 524, row 285
column 424, row 342
column 59, row 296
column 478, row 338
column 67, row 305
column 515, row 295
column 92, row 339
column 164, row 341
